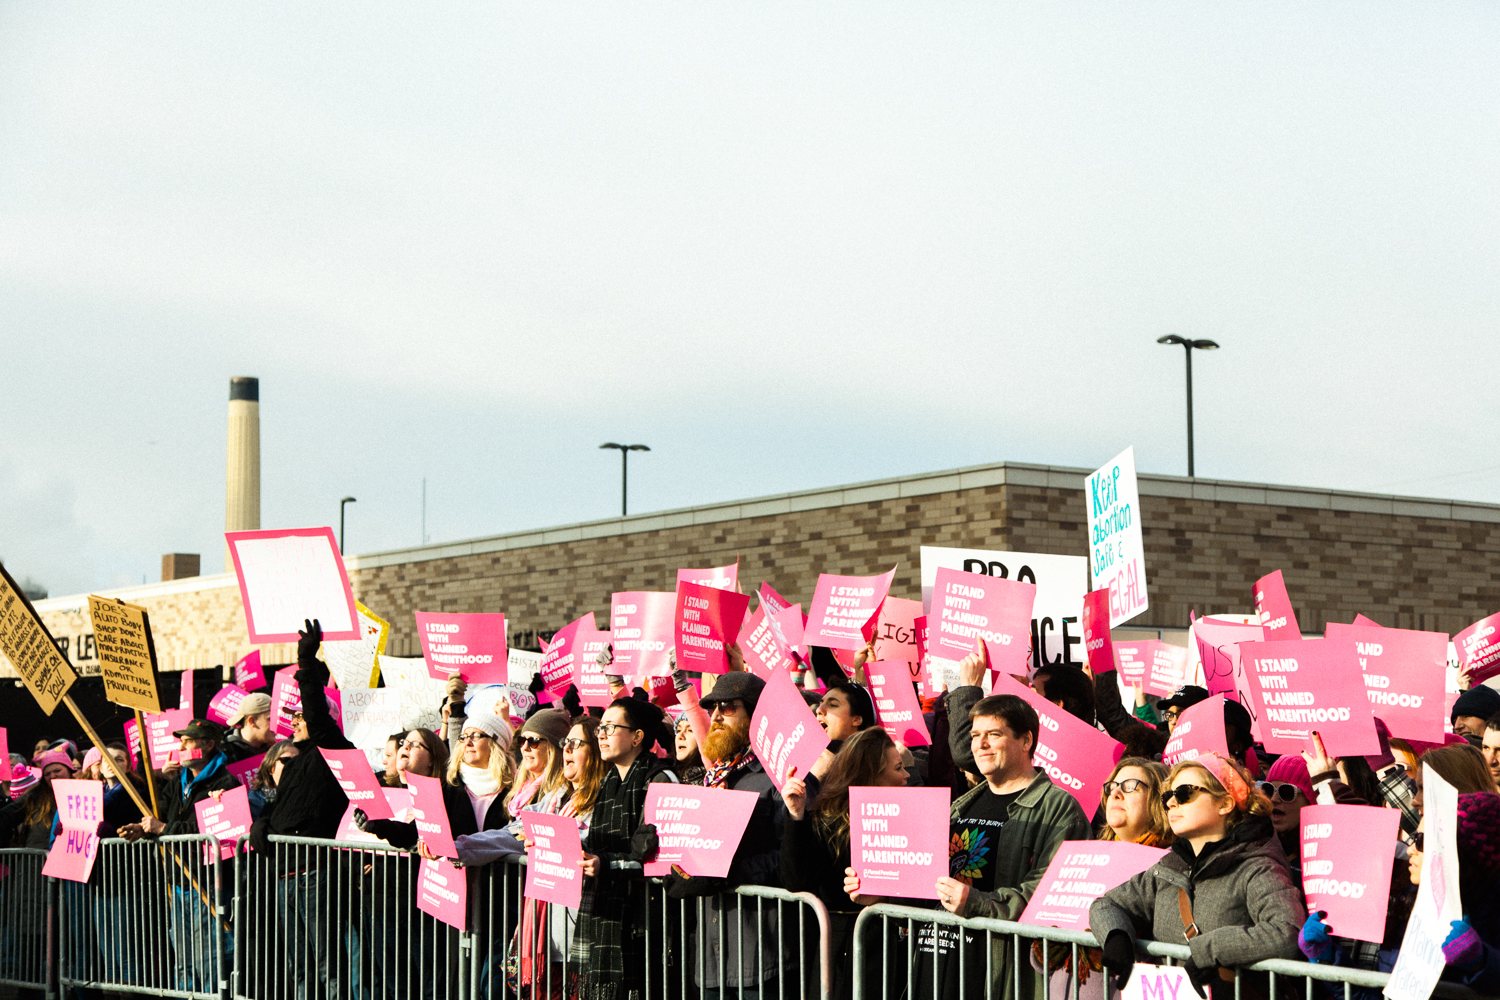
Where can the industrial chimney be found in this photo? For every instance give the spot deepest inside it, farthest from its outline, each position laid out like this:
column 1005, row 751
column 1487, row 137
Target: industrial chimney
column 242, row 480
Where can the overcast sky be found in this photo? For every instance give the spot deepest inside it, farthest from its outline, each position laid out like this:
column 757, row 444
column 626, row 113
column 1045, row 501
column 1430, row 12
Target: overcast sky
column 785, row 245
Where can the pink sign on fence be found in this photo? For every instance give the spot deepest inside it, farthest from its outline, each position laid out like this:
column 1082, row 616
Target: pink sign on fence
column 697, row 829
column 1081, row 871
column 159, row 729
column 706, row 619
column 561, row 656
column 969, row 606
column 1405, row 673
column 351, row 769
column 844, row 608
column 225, row 703
column 80, row 810
column 1075, row 755
column 783, row 731
column 552, row 871
column 1341, row 874
column 430, row 814
column 898, row 840
column 590, row 678
column 1301, row 685
column 227, row 818
column 248, row 673
column 1199, row 732
column 641, row 622
column 763, row 655
column 1275, row 608
column 896, row 704
column 1094, row 621
column 470, row 645
column 244, row 771
column 443, row 893
column 1479, row 649
column 718, row 577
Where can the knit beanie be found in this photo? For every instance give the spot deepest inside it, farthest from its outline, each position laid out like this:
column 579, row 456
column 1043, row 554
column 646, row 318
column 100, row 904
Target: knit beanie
column 550, row 724
column 1292, row 769
column 23, row 779
column 1479, row 834
column 41, row 760
column 492, row 726
column 1480, row 701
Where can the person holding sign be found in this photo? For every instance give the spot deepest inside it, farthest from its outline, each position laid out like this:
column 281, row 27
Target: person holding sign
column 27, row 822
column 204, row 771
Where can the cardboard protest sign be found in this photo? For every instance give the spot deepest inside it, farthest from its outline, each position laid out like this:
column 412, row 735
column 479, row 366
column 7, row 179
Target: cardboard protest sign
column 898, row 840
column 399, row 801
column 355, row 664
column 1081, row 871
column 80, row 810
column 783, row 731
column 1301, row 685
column 127, row 657
column 770, row 601
column 1479, row 649
column 1403, row 672
column 967, row 606
column 843, row 609
column 1157, row 982
column 1275, row 608
column 430, row 814
column 1198, row 733
column 718, row 577
column 1075, row 755
column 370, row 716
column 185, row 692
column 697, row 829
column 1218, row 650
column 244, row 771
column 561, row 655
column 1117, row 554
column 763, row 654
column 5, row 774
column 289, row 575
column 226, row 703
column 227, row 818
column 1341, row 874
column 443, row 893
column 351, row 769
column 895, row 633
column 705, row 620
column 1097, row 644
column 588, row 676
column 159, row 738
column 1420, row 962
column 470, row 645
column 28, row 645
column 552, row 871
column 896, row 704
column 247, row 672
column 641, row 625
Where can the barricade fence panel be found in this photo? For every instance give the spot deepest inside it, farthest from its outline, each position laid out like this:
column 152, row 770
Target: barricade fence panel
column 27, row 914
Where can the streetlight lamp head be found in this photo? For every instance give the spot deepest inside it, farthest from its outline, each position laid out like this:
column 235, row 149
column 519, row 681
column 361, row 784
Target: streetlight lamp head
column 348, row 500
column 639, row 447
column 1206, row 345
column 1170, row 338
column 611, row 444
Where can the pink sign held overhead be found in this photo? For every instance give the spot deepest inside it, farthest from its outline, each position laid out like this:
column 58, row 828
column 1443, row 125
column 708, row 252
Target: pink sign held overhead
column 697, row 829
column 1405, row 675
column 1075, row 755
column 896, row 704
column 1094, row 621
column 1158, row 667
column 1199, row 732
column 1275, row 608
column 443, row 893
column 1341, row 874
column 641, row 624
column 185, row 694
column 783, row 731
column 430, row 814
column 351, row 769
column 718, row 577
column 706, row 619
column 763, row 655
column 159, row 730
column 289, row 575
column 227, row 818
column 898, row 840
column 1218, row 647
column 770, row 601
column 1479, row 649
column 1301, row 685
column 1081, row 871
column 553, row 874
column 561, row 656
column 1133, row 659
column 788, row 628
column 244, row 771
column 470, row 645
column 286, row 699
column 132, row 744
column 895, row 633
column 80, row 810
column 844, row 609
column 1362, row 620
column 930, row 685
column 969, row 606
column 225, row 703
column 248, row 673
column 590, row 678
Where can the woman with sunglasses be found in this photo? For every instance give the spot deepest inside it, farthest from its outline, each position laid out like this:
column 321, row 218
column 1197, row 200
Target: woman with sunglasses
column 1223, row 887
column 540, row 772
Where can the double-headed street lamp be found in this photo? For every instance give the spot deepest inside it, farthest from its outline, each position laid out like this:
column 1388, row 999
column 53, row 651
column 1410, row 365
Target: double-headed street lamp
column 1188, row 347
column 625, row 450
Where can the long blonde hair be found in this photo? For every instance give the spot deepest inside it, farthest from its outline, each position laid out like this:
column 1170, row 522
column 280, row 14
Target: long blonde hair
column 552, row 779
column 1156, row 773
column 501, row 767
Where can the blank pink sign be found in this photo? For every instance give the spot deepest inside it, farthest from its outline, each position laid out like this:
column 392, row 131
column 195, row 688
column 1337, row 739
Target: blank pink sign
column 430, row 814
column 289, row 575
column 697, row 829
column 970, row 606
column 843, row 610
column 898, row 840
column 1081, row 871
column 552, row 871
column 470, row 645
column 244, row 771
column 1341, row 873
column 783, row 731
column 896, row 704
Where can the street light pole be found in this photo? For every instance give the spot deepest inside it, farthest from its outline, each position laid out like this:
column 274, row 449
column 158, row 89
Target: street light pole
column 625, row 450
column 1188, row 346
column 341, row 521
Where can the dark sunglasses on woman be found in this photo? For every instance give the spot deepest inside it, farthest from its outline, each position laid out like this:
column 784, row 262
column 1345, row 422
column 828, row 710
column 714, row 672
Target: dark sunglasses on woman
column 1182, row 795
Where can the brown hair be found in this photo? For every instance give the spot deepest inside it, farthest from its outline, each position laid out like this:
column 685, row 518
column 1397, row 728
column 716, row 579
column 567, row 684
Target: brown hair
column 1156, row 774
column 859, row 762
column 263, row 779
column 1256, row 803
column 436, row 748
column 1461, row 766
column 586, row 792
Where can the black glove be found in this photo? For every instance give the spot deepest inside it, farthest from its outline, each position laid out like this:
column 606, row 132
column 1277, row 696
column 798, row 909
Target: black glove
column 572, row 702
column 643, row 844
column 537, row 685
column 360, row 819
column 309, row 638
column 679, row 885
column 1199, row 978
column 260, row 832
column 1119, row 957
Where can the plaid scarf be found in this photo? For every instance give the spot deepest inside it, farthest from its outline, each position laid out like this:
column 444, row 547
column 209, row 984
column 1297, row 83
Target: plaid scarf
column 716, row 774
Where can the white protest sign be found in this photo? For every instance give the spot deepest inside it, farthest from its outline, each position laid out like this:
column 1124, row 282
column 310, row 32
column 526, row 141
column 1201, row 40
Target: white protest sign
column 291, row 575
column 421, row 694
column 354, row 662
column 1117, row 554
column 1421, row 961
column 370, row 716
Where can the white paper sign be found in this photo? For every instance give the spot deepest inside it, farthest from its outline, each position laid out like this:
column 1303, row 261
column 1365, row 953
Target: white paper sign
column 1117, row 555
column 421, row 694
column 1421, row 961
column 353, row 663
column 370, row 716
column 1157, row 982
column 291, row 575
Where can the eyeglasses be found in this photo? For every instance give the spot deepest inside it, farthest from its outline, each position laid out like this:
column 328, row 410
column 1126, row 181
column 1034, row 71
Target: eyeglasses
column 467, row 738
column 532, row 742
column 574, row 744
column 608, row 729
column 1171, row 713
column 1181, row 795
column 728, row 707
column 410, row 745
column 296, row 716
column 1129, row 786
column 1278, row 790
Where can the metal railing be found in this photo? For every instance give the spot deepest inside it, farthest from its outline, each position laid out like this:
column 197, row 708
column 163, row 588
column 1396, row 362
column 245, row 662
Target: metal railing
column 28, row 918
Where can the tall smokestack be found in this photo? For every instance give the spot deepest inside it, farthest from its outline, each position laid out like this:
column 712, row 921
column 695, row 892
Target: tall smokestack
column 242, row 480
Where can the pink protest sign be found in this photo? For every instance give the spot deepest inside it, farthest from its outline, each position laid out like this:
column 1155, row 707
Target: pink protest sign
column 430, row 814
column 843, row 609
column 718, row 577
column 1158, row 667
column 5, row 756
column 706, row 618
column 159, row 738
column 1479, row 649
column 351, row 769
column 895, row 633
column 969, row 606
column 788, row 628
column 783, row 731
column 185, row 696
column 248, row 673
column 399, row 801
column 641, row 622
column 1094, row 621
column 227, row 818
column 1341, row 874
column 763, row 655
column 244, row 771
column 443, row 893
column 562, row 654
column 1081, row 871
column 1219, row 650
column 931, row 684
column 225, row 703
column 1275, row 608
column 285, row 700
column 552, row 872
column 1133, row 660
column 80, row 810
column 470, row 645
column 896, row 704
column 1405, row 673
column 132, row 744
column 898, row 840
column 1158, row 982
column 1075, row 755
column 289, row 575
column 590, row 678
column 1198, row 733
column 770, row 601
column 697, row 829
column 1301, row 685
column 1362, row 620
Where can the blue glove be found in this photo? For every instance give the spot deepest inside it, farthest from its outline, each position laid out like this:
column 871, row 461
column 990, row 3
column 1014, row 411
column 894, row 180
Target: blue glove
column 1462, row 947
column 1313, row 939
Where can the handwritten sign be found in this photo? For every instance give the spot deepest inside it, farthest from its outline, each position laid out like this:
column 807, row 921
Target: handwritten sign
column 552, row 872
column 783, row 731
column 351, row 769
column 227, row 818
column 896, row 704
column 1301, row 685
column 80, row 810
column 1340, row 872
column 718, row 577
column 470, row 645
column 898, row 839
column 1404, row 675
column 1157, row 982
column 896, row 633
column 28, row 645
column 1081, row 871
column 706, row 619
column 289, row 575
column 968, row 606
column 430, row 814
column 1478, row 649
column 1075, row 755
column 1117, row 553
column 1199, row 732
column 641, row 627
column 697, row 829
column 1274, row 608
column 370, row 716
column 1219, row 655
column 248, row 673
column 1420, row 962
column 843, row 610
column 127, row 658
column 355, row 664
column 443, row 893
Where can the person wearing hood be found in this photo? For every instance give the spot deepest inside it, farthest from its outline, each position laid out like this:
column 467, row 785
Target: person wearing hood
column 1223, row 888
column 1472, row 709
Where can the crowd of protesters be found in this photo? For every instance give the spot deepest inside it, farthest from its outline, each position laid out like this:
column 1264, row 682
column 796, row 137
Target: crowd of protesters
column 1228, row 886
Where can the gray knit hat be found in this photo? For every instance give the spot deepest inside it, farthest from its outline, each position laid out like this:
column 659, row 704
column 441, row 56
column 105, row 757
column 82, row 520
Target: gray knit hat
column 550, row 724
column 491, row 725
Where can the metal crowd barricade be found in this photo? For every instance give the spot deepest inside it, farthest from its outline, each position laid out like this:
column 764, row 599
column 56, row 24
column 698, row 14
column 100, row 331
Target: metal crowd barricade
column 28, row 916
column 151, row 919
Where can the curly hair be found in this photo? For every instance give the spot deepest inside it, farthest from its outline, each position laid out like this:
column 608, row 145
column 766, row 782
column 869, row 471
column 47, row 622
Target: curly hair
column 1256, row 803
column 1156, row 774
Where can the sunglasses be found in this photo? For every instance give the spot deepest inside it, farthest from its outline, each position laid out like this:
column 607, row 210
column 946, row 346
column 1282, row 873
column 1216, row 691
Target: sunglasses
column 1181, row 795
column 1128, row 786
column 574, row 744
column 1416, row 841
column 1274, row 790
column 532, row 742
